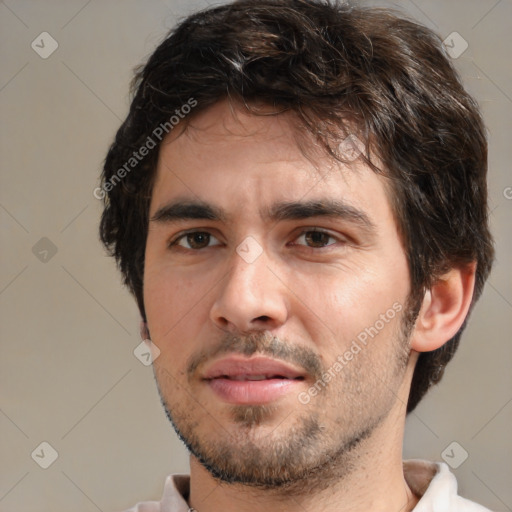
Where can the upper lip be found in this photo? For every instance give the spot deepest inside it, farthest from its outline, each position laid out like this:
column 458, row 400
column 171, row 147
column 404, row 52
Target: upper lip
column 238, row 366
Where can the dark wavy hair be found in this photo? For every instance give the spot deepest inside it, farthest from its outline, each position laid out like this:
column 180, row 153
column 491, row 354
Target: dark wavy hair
column 340, row 69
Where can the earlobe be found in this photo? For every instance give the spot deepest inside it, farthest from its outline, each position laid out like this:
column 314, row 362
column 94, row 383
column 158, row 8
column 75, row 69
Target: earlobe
column 444, row 308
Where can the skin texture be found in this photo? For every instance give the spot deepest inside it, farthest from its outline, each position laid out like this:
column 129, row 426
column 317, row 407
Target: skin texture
column 304, row 299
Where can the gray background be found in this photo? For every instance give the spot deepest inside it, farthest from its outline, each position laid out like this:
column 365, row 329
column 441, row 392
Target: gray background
column 68, row 375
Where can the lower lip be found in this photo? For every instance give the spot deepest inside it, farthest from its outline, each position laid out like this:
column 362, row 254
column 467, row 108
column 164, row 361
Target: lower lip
column 252, row 392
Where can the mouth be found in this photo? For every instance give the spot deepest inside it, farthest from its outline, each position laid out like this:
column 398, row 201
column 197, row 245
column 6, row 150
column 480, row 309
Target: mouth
column 255, row 377
column 253, row 381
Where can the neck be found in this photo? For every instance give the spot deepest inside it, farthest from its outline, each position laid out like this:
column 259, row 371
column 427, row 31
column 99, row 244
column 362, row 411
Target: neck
column 374, row 483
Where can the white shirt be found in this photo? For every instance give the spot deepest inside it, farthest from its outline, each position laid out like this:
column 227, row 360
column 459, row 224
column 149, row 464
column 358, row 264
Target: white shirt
column 434, row 482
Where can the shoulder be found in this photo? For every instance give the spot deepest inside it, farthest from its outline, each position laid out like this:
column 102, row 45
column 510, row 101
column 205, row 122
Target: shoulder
column 437, row 487
column 145, row 506
column 174, row 498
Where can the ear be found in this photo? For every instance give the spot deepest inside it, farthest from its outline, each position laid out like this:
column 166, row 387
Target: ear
column 444, row 308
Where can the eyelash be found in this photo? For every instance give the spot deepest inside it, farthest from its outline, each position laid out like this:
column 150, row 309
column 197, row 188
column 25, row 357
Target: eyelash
column 175, row 241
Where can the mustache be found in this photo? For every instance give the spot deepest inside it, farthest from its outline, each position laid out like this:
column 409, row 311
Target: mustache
column 262, row 343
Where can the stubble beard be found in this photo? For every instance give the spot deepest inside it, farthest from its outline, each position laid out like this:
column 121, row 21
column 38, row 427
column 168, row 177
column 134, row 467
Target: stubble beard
column 305, row 452
column 298, row 461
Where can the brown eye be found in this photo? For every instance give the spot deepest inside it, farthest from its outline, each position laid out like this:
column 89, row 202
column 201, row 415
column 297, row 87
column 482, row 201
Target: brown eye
column 195, row 240
column 315, row 239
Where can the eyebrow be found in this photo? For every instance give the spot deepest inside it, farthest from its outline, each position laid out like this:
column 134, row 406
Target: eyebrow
column 184, row 210
column 283, row 211
column 330, row 208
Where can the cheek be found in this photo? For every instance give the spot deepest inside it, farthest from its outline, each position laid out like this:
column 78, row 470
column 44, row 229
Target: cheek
column 167, row 300
column 167, row 306
column 347, row 306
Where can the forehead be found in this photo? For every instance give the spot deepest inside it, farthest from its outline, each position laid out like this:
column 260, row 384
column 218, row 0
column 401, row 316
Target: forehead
column 231, row 124
column 258, row 158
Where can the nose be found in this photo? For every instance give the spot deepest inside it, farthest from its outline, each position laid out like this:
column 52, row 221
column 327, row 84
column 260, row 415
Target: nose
column 251, row 297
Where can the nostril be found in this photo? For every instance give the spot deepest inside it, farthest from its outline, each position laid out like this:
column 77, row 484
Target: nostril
column 223, row 321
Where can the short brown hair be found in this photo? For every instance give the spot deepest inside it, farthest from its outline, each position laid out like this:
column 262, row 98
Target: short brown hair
column 339, row 68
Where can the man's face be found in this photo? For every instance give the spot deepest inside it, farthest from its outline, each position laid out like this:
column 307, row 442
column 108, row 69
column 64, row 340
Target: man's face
column 275, row 288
